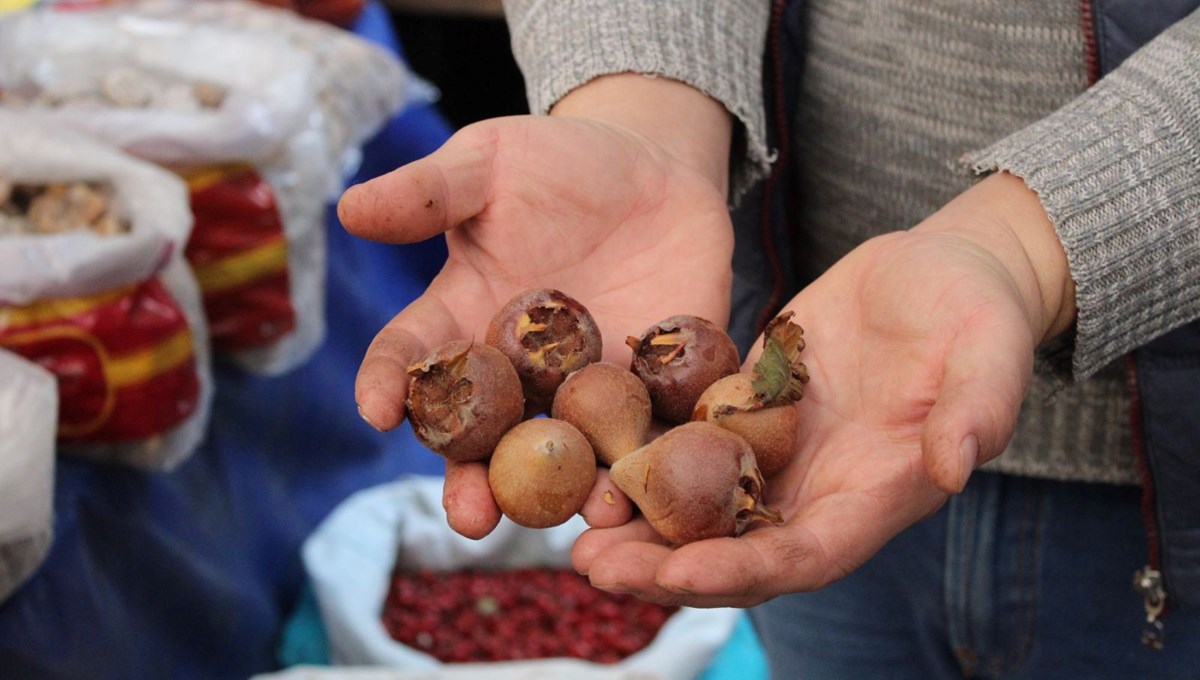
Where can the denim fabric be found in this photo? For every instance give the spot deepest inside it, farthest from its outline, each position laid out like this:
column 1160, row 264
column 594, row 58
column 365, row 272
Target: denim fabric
column 1015, row 578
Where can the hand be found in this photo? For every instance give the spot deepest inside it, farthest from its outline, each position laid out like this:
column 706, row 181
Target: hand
column 920, row 349
column 635, row 230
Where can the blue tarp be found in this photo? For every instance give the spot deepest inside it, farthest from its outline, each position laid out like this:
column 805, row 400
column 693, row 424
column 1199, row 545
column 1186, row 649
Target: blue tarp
column 191, row 574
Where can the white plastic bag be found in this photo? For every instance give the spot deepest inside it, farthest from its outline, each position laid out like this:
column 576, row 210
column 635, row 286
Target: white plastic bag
column 61, row 53
column 71, row 288
column 268, row 120
column 28, row 416
column 350, row 557
column 359, row 85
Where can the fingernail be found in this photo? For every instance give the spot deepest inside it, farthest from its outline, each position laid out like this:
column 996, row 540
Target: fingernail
column 368, row 420
column 968, row 451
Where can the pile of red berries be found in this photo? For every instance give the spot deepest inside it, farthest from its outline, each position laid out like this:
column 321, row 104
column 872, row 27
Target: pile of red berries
column 532, row 613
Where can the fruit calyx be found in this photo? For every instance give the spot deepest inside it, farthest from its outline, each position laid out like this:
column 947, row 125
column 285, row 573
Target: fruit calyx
column 551, row 336
column 748, row 499
column 445, row 405
column 659, row 347
column 778, row 376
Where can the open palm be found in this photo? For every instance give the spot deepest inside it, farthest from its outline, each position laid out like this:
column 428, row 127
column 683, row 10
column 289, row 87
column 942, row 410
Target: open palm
column 918, row 345
column 528, row 202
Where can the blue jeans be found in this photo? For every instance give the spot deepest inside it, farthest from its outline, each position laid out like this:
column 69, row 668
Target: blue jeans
column 1015, row 578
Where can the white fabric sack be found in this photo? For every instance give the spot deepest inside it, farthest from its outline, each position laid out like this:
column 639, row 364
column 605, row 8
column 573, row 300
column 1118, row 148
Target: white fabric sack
column 547, row 670
column 80, row 263
column 349, row 559
column 28, row 419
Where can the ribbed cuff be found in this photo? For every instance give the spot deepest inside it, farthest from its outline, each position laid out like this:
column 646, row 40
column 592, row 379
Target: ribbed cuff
column 715, row 46
column 1118, row 172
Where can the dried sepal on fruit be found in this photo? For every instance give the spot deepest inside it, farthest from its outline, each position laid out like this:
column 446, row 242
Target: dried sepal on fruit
column 547, row 335
column 780, row 376
column 758, row 405
column 677, row 359
column 542, row 472
column 462, row 399
column 695, row 482
column 609, row 405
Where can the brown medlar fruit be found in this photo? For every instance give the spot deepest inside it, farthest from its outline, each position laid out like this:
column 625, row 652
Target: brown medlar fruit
column 542, row 472
column 609, row 405
column 462, row 398
column 678, row 359
column 547, row 335
column 759, row 405
column 697, row 481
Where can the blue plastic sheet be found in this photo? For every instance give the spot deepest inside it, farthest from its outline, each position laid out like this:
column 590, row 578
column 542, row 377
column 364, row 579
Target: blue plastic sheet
column 191, row 574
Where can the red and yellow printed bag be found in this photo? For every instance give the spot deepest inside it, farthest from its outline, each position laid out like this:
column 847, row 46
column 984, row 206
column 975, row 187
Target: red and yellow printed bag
column 116, row 319
column 124, row 360
column 239, row 254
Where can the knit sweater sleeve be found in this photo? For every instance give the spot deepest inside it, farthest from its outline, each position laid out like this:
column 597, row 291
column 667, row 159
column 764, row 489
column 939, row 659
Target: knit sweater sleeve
column 1118, row 172
column 715, row 46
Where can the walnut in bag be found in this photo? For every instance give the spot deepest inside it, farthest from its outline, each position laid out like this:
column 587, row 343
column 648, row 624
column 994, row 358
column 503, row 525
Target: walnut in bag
column 27, row 209
column 116, row 317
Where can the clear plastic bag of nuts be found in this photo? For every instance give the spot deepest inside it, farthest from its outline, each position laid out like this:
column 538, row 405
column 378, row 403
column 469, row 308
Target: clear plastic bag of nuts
column 232, row 111
column 358, row 85
column 94, row 289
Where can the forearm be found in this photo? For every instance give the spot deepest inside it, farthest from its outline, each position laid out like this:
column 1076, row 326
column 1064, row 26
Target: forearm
column 715, row 46
column 1118, row 174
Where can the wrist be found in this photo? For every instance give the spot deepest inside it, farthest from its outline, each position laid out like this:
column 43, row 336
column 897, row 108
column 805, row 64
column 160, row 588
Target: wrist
column 686, row 123
column 1004, row 216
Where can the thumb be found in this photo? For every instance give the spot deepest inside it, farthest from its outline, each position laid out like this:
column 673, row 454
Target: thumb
column 428, row 196
column 984, row 382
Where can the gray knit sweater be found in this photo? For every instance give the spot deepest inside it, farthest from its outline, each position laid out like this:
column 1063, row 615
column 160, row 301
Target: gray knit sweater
column 899, row 99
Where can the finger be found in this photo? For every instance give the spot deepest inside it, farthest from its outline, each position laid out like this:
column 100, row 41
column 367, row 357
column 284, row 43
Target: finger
column 832, row 536
column 428, row 196
column 606, row 506
column 593, row 542
column 738, row 572
column 642, row 569
column 985, row 380
column 382, row 382
column 470, row 508
column 631, row 567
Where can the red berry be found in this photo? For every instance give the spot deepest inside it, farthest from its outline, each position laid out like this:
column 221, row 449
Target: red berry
column 526, row 613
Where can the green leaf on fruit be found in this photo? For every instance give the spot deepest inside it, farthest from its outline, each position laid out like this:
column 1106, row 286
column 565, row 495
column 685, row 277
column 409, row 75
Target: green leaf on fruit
column 779, row 374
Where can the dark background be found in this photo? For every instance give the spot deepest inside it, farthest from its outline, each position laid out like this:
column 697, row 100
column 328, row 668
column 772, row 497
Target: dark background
column 468, row 58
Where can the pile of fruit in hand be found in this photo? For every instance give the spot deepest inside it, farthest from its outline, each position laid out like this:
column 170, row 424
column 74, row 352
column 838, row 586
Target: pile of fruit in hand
column 702, row 478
